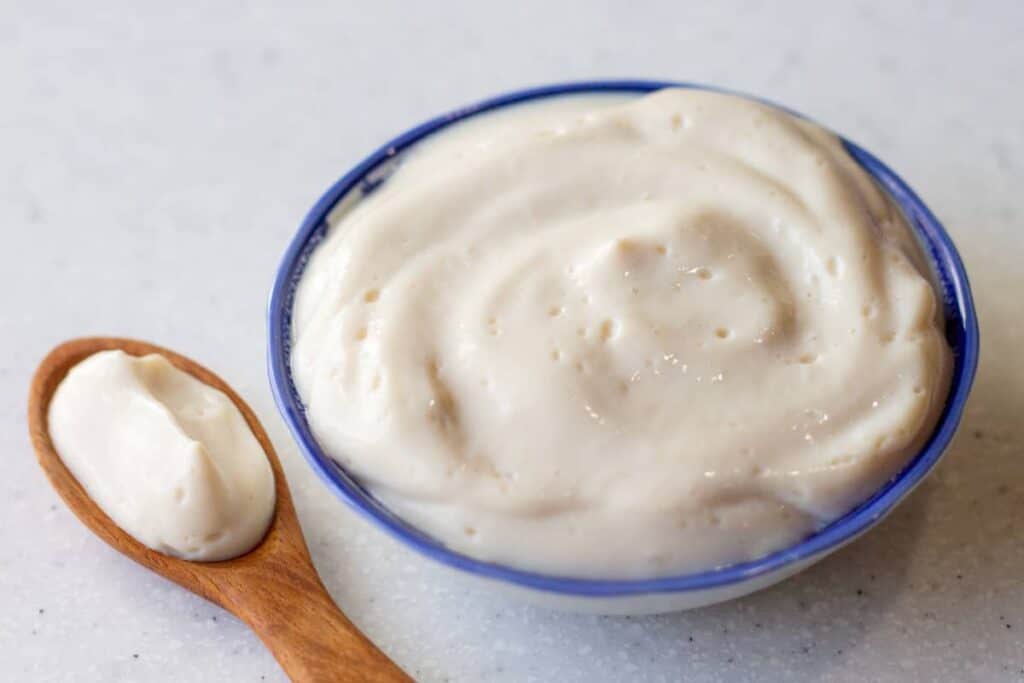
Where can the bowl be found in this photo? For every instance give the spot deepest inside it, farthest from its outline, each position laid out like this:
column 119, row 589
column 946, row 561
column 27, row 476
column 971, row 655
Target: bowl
column 669, row 593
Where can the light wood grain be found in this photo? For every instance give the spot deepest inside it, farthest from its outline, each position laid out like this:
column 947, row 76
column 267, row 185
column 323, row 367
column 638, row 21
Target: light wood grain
column 274, row 588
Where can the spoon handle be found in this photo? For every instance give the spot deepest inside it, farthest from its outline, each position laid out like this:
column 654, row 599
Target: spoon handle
column 296, row 618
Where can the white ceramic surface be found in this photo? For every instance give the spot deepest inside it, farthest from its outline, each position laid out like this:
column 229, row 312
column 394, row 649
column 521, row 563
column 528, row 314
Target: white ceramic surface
column 141, row 147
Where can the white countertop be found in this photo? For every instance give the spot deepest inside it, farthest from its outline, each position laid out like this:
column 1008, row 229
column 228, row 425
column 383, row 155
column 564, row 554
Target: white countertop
column 155, row 162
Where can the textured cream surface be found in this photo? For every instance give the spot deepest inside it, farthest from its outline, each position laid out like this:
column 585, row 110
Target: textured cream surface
column 622, row 339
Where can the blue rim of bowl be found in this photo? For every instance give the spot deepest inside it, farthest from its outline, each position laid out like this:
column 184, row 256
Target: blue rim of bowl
column 961, row 331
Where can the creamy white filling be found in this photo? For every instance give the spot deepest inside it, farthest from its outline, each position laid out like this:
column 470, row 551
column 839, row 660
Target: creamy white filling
column 170, row 459
column 612, row 339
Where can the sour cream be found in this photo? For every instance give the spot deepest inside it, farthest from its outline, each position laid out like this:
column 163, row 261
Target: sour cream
column 618, row 339
column 170, row 459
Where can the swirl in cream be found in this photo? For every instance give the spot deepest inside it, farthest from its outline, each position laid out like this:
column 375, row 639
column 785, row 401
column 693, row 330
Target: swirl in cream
column 622, row 339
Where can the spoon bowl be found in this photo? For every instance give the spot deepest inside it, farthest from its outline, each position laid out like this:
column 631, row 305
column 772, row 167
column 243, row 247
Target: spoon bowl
column 274, row 588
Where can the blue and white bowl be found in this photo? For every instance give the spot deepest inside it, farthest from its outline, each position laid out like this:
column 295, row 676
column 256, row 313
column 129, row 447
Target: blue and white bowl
column 669, row 593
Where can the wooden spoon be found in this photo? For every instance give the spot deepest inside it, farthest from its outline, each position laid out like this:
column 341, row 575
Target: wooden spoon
column 273, row 588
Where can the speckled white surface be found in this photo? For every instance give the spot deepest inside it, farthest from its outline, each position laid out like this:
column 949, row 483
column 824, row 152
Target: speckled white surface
column 155, row 161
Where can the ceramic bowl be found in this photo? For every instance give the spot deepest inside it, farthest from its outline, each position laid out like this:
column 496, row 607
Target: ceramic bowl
column 667, row 593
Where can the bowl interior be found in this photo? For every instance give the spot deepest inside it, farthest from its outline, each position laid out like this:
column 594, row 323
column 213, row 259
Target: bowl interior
column 961, row 332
